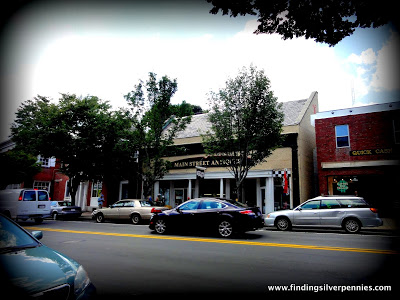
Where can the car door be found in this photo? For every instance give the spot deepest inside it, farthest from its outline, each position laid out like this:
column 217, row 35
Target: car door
column 113, row 211
column 330, row 212
column 126, row 210
column 28, row 205
column 208, row 213
column 307, row 214
column 43, row 203
column 186, row 215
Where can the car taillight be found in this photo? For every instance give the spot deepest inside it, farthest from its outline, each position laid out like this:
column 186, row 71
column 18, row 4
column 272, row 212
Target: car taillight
column 374, row 210
column 155, row 210
column 20, row 198
column 247, row 212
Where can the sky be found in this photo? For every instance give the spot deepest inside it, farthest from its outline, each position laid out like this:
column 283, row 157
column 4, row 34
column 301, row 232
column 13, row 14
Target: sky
column 103, row 48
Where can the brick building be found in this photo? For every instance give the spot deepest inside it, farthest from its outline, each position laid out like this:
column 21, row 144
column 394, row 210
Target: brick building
column 358, row 154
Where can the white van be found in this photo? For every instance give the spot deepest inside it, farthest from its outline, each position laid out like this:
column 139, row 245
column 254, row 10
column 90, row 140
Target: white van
column 24, row 204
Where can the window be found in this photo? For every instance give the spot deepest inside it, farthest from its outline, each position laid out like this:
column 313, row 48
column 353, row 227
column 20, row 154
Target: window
column 342, row 136
column 42, row 185
column 311, row 205
column 353, row 203
column 43, row 196
column 189, row 205
column 96, row 188
column 211, row 205
column 330, row 204
column 67, row 193
column 29, row 196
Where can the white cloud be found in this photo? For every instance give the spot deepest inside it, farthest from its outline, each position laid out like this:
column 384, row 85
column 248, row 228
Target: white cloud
column 387, row 75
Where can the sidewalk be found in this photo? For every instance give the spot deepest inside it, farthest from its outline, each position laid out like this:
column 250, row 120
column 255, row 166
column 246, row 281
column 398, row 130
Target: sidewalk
column 389, row 224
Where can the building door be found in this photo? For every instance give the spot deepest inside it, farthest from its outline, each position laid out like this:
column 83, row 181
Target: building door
column 179, row 196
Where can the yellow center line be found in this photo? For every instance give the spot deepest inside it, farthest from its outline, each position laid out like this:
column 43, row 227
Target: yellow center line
column 205, row 240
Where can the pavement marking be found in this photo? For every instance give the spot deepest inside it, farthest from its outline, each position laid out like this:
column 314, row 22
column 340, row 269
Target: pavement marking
column 227, row 241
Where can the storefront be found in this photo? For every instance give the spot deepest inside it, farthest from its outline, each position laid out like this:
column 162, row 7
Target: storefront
column 358, row 153
column 195, row 175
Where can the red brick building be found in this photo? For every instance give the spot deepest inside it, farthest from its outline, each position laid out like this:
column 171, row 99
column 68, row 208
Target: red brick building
column 358, row 154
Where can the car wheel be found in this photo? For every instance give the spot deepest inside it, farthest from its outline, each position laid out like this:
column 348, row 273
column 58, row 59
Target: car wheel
column 352, row 225
column 225, row 228
column 283, row 224
column 55, row 215
column 160, row 226
column 99, row 218
column 135, row 218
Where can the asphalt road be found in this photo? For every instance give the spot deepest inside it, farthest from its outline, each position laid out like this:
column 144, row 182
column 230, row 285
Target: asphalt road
column 126, row 260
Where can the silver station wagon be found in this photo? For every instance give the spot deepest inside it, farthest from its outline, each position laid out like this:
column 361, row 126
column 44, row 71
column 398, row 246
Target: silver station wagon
column 349, row 212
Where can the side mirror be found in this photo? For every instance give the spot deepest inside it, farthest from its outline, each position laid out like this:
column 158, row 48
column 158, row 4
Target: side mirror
column 37, row 235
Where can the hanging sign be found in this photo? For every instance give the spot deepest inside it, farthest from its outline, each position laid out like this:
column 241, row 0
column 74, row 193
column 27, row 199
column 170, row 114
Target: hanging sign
column 342, row 186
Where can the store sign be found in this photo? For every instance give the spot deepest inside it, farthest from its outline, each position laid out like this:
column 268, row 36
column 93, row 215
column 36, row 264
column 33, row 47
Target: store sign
column 371, row 152
column 222, row 161
column 342, row 186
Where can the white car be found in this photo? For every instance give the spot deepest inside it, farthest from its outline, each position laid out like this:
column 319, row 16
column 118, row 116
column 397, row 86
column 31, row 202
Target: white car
column 134, row 209
column 349, row 212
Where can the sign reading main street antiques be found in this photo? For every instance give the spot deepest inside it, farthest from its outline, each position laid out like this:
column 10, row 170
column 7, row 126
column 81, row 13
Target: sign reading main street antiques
column 371, row 152
column 222, row 161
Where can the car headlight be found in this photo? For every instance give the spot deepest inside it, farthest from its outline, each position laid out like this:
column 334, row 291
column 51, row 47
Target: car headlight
column 81, row 280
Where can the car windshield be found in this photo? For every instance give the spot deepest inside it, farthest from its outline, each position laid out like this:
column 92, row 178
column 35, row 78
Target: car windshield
column 145, row 203
column 65, row 203
column 236, row 203
column 14, row 238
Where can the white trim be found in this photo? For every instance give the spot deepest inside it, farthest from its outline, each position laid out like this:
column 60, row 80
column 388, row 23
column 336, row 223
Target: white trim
column 357, row 164
column 217, row 175
column 357, row 110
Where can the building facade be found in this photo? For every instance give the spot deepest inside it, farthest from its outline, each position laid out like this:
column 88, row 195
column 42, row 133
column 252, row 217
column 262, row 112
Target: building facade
column 265, row 183
column 358, row 154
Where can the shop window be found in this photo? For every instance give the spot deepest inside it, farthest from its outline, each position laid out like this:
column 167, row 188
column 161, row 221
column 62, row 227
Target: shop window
column 42, row 185
column 96, row 188
column 342, row 136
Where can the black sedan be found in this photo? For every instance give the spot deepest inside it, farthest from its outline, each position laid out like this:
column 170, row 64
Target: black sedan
column 221, row 216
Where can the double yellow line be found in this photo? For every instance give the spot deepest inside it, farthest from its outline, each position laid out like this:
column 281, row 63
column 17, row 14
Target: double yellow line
column 227, row 241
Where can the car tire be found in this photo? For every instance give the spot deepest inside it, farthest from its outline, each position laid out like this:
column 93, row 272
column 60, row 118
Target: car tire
column 160, row 226
column 54, row 215
column 135, row 218
column 225, row 228
column 283, row 224
column 100, row 218
column 352, row 225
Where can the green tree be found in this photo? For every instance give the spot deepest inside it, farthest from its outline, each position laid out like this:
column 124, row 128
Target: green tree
column 324, row 21
column 246, row 123
column 17, row 166
column 81, row 132
column 156, row 123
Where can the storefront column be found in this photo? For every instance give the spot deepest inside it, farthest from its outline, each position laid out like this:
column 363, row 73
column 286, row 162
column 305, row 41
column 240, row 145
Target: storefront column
column 171, row 193
column 258, row 193
column 156, row 189
column 221, row 187
column 269, row 195
column 189, row 192
column 197, row 188
column 228, row 189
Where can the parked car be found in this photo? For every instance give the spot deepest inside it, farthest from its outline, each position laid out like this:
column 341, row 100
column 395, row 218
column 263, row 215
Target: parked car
column 349, row 212
column 29, row 269
column 208, row 214
column 24, row 204
column 64, row 209
column 134, row 209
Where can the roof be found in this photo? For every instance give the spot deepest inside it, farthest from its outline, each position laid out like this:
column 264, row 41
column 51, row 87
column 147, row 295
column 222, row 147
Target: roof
column 292, row 110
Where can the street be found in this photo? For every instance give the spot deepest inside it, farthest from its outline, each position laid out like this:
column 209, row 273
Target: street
column 125, row 260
